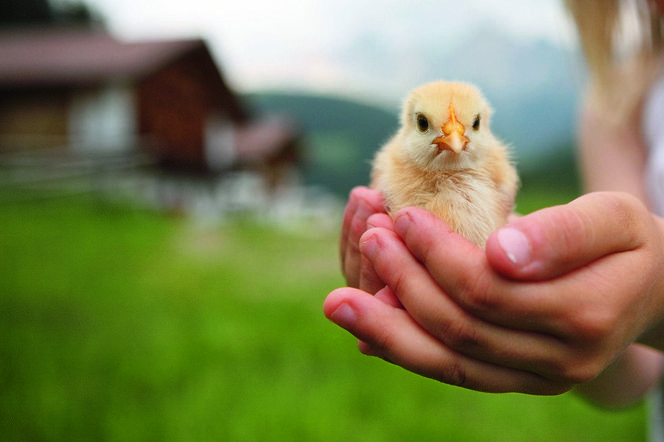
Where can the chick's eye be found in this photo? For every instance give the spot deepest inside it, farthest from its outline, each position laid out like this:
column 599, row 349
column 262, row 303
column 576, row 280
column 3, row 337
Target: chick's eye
column 422, row 123
column 476, row 123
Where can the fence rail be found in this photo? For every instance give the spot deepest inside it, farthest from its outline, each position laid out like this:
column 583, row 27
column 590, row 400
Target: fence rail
column 53, row 172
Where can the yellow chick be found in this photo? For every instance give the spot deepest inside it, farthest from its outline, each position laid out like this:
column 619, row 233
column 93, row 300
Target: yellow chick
column 445, row 159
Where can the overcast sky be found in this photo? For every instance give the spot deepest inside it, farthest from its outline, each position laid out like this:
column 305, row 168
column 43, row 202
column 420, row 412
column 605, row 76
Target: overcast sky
column 304, row 44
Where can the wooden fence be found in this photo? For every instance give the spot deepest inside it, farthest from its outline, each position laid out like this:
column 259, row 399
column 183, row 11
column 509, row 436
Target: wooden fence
column 43, row 172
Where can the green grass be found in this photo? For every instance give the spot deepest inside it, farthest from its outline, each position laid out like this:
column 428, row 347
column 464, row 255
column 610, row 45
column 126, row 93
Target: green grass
column 118, row 324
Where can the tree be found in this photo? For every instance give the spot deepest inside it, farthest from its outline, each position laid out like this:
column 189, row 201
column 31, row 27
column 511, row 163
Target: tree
column 74, row 13
column 25, row 12
column 16, row 13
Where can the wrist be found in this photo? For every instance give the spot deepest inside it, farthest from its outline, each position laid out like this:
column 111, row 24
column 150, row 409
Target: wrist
column 654, row 333
column 641, row 366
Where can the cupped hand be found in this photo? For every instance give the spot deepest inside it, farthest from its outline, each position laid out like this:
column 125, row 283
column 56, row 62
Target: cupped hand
column 555, row 298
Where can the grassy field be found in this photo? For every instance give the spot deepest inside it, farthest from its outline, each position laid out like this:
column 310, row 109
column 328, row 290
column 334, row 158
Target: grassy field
column 119, row 324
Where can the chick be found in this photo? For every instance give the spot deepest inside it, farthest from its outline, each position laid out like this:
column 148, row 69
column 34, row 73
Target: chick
column 445, row 159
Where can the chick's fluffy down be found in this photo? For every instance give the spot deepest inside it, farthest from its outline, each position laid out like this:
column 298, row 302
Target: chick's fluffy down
column 473, row 190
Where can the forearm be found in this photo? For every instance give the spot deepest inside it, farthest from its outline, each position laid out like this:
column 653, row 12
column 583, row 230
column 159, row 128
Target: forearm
column 612, row 156
column 654, row 332
column 627, row 380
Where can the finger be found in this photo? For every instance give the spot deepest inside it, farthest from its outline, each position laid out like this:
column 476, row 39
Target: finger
column 513, row 217
column 369, row 281
column 462, row 270
column 441, row 316
column 380, row 220
column 556, row 240
column 363, row 202
column 392, row 334
column 459, row 267
column 389, row 297
column 349, row 212
column 372, row 202
column 553, row 308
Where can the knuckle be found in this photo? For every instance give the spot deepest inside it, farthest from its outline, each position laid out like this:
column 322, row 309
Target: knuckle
column 357, row 228
column 451, row 372
column 579, row 367
column 458, row 334
column 398, row 282
column 553, row 369
column 629, row 215
column 593, row 324
column 625, row 209
column 424, row 247
column 382, row 341
column 356, row 192
column 476, row 293
column 582, row 372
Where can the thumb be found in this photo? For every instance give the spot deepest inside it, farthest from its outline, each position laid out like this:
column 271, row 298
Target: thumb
column 553, row 241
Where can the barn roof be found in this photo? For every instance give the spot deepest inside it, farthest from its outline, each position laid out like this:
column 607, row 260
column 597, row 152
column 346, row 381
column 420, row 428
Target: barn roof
column 43, row 57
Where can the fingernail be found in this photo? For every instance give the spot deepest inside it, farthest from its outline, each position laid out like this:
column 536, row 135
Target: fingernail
column 369, row 247
column 402, row 223
column 515, row 245
column 344, row 316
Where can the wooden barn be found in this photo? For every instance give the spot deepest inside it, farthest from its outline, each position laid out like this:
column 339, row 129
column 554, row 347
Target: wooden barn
column 86, row 91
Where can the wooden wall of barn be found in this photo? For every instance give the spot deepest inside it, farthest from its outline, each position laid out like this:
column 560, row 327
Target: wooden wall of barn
column 175, row 103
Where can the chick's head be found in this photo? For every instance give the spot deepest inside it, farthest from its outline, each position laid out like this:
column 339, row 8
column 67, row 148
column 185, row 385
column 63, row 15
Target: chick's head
column 445, row 125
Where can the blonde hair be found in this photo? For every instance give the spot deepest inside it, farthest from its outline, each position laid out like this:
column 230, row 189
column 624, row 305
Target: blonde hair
column 622, row 41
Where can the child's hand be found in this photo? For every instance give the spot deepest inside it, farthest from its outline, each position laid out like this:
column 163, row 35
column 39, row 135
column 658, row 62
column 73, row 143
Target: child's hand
column 554, row 299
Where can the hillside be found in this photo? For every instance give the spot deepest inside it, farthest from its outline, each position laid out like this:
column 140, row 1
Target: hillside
column 341, row 136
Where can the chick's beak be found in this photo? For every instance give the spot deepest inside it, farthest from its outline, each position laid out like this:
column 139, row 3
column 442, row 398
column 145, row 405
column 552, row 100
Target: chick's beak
column 453, row 139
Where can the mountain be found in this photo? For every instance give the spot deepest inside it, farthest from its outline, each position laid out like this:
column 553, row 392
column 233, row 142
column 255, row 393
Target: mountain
column 532, row 85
